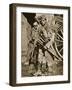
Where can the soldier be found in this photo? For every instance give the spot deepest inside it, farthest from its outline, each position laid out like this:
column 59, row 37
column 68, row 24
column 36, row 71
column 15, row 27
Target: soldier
column 47, row 38
column 42, row 39
column 35, row 49
column 38, row 45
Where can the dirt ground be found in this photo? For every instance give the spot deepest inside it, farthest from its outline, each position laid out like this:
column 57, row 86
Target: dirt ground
column 55, row 69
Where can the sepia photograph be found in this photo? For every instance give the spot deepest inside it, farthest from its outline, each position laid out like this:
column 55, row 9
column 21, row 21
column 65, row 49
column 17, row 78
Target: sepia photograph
column 41, row 44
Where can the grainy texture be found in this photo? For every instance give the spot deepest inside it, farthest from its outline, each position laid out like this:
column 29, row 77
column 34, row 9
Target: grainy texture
column 33, row 60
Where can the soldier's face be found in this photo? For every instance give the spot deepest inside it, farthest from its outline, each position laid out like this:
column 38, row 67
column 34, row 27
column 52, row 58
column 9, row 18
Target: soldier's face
column 43, row 22
column 35, row 26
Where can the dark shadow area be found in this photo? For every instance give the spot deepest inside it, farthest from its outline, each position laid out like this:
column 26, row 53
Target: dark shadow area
column 30, row 17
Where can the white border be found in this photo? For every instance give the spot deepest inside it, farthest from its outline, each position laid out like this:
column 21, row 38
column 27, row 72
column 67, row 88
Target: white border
column 63, row 77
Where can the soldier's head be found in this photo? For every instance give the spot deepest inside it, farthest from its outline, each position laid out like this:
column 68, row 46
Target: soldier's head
column 43, row 20
column 35, row 25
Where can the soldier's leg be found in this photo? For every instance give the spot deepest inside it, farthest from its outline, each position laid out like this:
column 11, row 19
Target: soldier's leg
column 40, row 55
